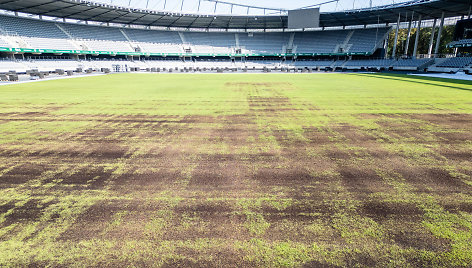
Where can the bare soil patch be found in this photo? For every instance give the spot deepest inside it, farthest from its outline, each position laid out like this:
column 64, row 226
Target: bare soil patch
column 219, row 172
column 278, row 176
column 22, row 173
column 91, row 177
column 380, row 210
column 455, row 121
column 361, row 180
column 433, row 178
column 410, row 235
column 93, row 221
column 31, row 211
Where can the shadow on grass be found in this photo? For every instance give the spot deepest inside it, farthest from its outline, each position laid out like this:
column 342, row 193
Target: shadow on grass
column 423, row 80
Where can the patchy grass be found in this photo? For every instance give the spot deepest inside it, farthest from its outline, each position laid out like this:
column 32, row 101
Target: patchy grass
column 315, row 170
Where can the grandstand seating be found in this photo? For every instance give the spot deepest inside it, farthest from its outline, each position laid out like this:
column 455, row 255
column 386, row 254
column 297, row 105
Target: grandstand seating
column 214, row 43
column 319, row 42
column 94, row 32
column 411, row 64
column 3, row 42
column 20, row 32
column 259, row 64
column 150, row 36
column 456, row 62
column 462, row 42
column 115, row 46
column 263, row 43
column 366, row 40
column 221, row 63
column 30, row 28
column 49, row 65
column 41, row 34
column 312, row 63
column 8, row 65
column 45, row 43
column 52, row 65
column 373, row 63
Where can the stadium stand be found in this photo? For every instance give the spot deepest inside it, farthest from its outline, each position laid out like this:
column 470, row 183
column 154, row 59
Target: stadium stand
column 260, row 64
column 366, row 40
column 411, row 64
column 7, row 65
column 40, row 34
column 263, row 43
column 456, row 62
column 94, row 32
column 463, row 42
column 312, row 63
column 373, row 63
column 310, row 42
column 214, row 43
column 4, row 43
column 149, row 48
column 207, row 63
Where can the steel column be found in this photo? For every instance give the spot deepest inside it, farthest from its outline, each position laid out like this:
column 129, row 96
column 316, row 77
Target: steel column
column 396, row 38
column 438, row 40
column 417, row 37
column 408, row 37
column 431, row 40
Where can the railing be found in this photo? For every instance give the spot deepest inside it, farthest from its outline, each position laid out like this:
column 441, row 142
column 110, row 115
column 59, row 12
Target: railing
column 437, row 56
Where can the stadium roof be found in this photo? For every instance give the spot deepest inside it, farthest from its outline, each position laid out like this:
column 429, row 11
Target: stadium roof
column 93, row 11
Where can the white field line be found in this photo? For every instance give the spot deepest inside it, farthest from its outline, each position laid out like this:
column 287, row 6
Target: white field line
column 460, row 76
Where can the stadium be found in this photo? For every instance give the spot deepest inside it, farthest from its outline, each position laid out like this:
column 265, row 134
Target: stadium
column 235, row 133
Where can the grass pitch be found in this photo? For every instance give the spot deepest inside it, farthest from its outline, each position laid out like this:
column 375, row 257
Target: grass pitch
column 236, row 171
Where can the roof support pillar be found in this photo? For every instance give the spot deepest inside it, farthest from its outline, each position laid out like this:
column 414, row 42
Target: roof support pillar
column 470, row 9
column 396, row 37
column 386, row 48
column 438, row 40
column 431, row 40
column 408, row 38
column 417, row 37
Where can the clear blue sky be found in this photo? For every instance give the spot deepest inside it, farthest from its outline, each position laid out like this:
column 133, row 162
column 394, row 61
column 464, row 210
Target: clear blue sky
column 209, row 7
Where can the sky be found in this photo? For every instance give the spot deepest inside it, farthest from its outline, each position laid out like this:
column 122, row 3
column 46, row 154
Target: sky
column 208, row 6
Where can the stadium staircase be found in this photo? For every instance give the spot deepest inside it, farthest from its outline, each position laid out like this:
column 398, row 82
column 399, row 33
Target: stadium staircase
column 290, row 45
column 426, row 64
column 345, row 46
column 134, row 45
column 186, row 46
column 236, row 37
column 76, row 43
